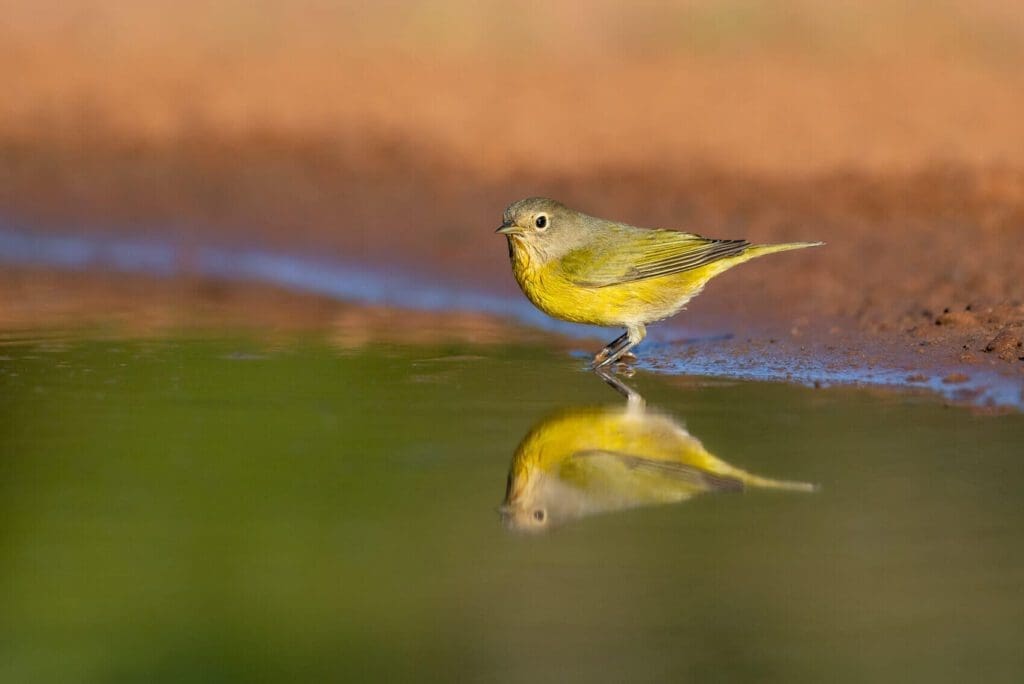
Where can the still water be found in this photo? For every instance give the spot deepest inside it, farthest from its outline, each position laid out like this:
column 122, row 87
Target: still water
column 236, row 510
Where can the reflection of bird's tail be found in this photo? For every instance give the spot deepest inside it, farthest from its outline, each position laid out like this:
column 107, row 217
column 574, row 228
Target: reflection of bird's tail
column 752, row 481
column 721, row 475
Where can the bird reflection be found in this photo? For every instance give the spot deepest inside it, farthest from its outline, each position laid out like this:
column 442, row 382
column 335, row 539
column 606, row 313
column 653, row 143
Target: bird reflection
column 588, row 460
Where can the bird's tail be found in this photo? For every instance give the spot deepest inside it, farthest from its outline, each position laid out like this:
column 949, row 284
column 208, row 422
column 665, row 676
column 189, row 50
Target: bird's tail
column 751, row 252
column 760, row 250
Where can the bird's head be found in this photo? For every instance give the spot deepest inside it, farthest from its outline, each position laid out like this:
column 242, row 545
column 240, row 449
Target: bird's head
column 543, row 226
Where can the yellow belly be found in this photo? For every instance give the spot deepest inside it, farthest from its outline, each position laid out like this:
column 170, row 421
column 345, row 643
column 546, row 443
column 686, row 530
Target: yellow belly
column 641, row 301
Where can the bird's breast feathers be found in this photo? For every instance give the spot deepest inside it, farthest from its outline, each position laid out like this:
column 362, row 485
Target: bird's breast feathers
column 554, row 292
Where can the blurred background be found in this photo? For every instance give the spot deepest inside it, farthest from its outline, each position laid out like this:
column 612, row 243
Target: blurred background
column 538, row 87
column 391, row 136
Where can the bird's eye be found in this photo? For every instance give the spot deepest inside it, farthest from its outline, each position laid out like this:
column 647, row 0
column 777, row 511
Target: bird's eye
column 538, row 515
column 541, row 221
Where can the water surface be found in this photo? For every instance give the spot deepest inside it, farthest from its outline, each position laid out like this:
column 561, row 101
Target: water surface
column 222, row 510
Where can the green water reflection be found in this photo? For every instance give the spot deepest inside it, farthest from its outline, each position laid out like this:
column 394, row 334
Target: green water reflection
column 218, row 511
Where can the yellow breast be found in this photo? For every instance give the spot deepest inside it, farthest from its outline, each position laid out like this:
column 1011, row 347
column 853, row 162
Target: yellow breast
column 641, row 301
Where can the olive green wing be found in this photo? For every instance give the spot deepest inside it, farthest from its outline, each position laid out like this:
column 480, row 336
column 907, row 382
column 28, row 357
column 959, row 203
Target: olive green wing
column 624, row 254
column 625, row 465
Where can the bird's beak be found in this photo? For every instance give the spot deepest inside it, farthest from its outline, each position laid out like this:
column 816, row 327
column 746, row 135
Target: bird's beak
column 509, row 229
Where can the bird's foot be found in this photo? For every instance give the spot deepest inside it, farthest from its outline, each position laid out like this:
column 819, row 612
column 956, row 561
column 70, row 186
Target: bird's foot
column 624, row 369
column 611, row 352
column 624, row 360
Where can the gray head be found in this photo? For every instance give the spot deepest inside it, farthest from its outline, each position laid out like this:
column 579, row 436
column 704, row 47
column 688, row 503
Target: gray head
column 544, row 225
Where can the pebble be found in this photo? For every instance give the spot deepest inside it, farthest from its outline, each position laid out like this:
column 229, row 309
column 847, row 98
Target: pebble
column 1007, row 344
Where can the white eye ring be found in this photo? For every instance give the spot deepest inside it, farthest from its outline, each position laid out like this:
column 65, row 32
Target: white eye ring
column 541, row 221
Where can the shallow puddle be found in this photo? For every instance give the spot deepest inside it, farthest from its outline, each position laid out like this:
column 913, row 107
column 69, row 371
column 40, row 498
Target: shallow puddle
column 225, row 510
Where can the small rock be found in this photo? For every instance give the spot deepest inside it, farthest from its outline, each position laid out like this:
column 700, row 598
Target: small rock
column 1007, row 344
column 955, row 378
column 917, row 377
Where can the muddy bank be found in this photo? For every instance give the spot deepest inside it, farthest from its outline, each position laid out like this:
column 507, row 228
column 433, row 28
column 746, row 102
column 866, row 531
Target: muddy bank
column 922, row 265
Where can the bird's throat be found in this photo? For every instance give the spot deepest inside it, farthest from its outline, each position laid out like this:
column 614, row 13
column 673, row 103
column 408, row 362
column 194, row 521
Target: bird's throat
column 520, row 254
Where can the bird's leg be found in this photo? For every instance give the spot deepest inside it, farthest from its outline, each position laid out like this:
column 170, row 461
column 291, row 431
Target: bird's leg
column 633, row 398
column 634, row 335
column 609, row 349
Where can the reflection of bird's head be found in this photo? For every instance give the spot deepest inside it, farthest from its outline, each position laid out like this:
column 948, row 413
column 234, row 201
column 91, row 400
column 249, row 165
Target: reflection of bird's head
column 541, row 501
column 524, row 518
column 522, row 509
column 515, row 515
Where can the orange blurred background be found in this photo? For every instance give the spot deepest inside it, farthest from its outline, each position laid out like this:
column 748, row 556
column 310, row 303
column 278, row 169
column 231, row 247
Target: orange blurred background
column 787, row 86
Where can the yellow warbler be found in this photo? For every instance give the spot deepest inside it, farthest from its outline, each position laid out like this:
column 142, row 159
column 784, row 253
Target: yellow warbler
column 589, row 270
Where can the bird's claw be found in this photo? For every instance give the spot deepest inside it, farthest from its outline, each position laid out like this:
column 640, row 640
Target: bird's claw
column 624, row 369
column 624, row 361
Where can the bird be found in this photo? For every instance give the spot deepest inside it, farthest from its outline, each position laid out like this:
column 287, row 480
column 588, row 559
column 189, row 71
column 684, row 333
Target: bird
column 590, row 270
column 586, row 460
